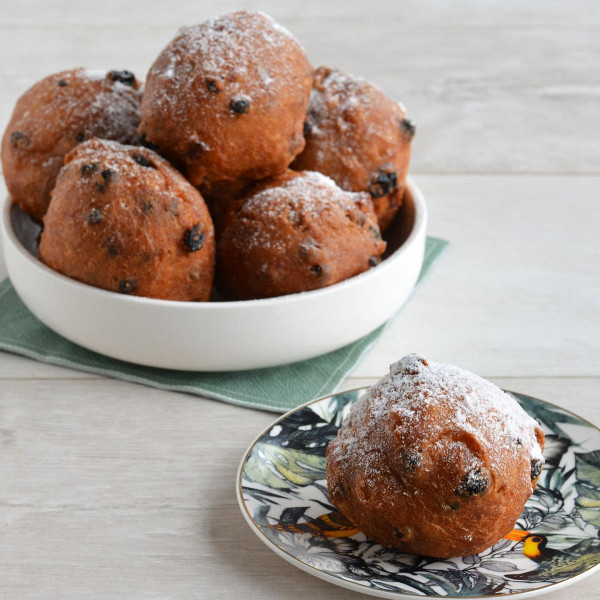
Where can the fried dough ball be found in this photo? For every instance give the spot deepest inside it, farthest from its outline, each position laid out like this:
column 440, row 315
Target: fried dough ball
column 295, row 232
column 359, row 137
column 123, row 219
column 55, row 115
column 225, row 101
column 434, row 460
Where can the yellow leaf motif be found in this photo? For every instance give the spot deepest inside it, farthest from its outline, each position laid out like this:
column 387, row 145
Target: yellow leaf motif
column 278, row 467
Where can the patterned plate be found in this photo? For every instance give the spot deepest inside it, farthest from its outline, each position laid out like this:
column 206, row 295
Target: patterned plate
column 283, row 495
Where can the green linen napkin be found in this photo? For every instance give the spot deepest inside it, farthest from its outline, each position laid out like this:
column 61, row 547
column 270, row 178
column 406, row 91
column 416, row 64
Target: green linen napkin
column 276, row 389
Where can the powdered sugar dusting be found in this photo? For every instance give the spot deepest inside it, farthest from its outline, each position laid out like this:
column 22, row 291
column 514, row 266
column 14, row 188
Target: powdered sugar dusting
column 299, row 198
column 227, row 48
column 94, row 74
column 118, row 110
column 336, row 96
column 104, row 165
column 84, row 101
column 310, row 191
column 354, row 128
column 429, row 402
column 115, row 159
column 109, row 154
column 302, row 197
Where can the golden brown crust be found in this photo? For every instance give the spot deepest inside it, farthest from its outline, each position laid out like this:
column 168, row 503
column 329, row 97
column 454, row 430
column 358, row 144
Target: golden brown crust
column 55, row 115
column 121, row 218
column 225, row 100
column 295, row 232
column 359, row 137
column 434, row 460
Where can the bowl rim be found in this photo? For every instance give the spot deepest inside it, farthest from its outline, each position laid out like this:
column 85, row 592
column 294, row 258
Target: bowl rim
column 420, row 223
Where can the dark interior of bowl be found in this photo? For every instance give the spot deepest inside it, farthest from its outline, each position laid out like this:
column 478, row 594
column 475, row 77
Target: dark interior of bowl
column 399, row 229
column 26, row 229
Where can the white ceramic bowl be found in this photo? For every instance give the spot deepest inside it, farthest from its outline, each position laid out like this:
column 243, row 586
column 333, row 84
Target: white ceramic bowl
column 218, row 336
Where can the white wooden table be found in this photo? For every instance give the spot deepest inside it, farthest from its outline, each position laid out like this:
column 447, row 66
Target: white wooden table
column 113, row 490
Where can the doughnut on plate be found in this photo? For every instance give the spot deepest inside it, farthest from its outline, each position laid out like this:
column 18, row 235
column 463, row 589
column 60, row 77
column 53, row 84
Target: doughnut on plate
column 217, row 335
column 282, row 492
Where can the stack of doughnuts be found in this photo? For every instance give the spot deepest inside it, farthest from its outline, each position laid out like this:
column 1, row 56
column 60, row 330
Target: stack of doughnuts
column 235, row 153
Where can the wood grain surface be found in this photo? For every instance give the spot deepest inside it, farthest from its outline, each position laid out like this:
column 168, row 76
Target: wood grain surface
column 111, row 490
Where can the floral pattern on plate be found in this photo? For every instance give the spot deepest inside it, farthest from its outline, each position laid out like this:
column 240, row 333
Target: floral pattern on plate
column 283, row 495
